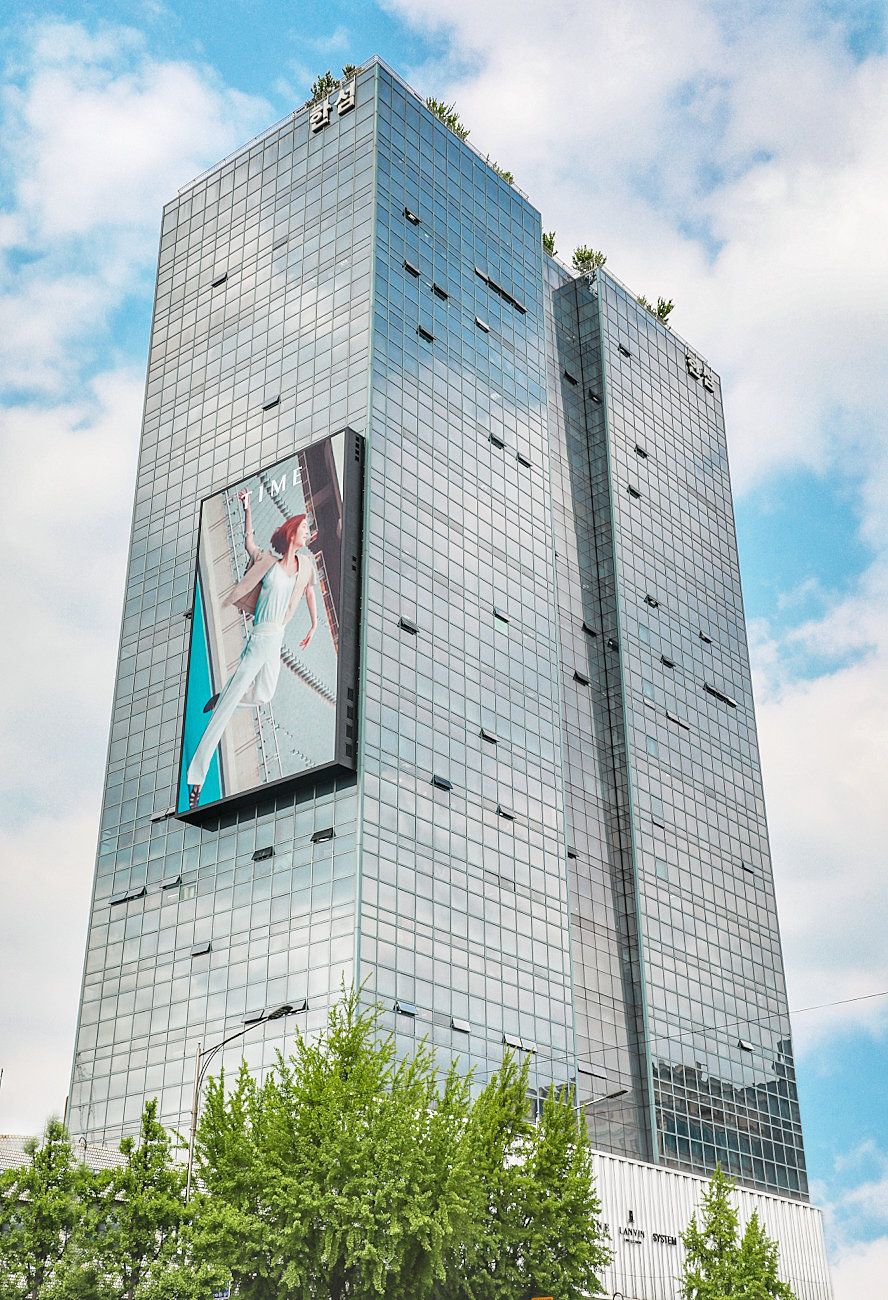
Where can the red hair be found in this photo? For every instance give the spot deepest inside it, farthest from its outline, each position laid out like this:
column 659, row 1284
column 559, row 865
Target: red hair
column 283, row 537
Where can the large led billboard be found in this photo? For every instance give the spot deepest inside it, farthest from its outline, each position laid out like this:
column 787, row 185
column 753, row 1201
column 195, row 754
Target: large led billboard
column 272, row 670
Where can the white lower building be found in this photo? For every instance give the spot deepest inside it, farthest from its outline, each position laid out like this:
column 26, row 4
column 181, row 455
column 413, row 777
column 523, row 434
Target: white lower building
column 647, row 1208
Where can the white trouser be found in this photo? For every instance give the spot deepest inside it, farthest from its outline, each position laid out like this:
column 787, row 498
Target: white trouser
column 252, row 682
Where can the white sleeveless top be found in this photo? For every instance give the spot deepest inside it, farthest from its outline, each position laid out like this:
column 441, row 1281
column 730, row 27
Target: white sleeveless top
column 274, row 595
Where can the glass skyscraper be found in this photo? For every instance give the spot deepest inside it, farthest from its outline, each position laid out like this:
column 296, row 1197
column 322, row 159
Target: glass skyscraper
column 539, row 821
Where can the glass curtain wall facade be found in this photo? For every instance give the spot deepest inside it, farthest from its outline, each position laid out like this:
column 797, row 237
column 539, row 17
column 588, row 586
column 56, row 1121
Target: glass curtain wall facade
column 554, row 841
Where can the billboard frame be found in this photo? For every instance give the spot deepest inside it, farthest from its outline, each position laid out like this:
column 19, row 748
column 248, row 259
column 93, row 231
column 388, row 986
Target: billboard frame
column 345, row 759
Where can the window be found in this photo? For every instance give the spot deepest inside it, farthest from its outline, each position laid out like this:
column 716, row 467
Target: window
column 590, row 631
column 640, row 451
column 440, row 293
column 613, row 643
column 744, row 1045
column 172, row 883
column 320, row 836
column 127, row 895
column 461, row 1026
column 707, row 640
column 633, row 491
column 652, row 746
column 200, row 948
column 512, row 1040
column 572, row 854
column 500, row 614
column 441, row 782
column 261, row 854
column 497, row 442
column 680, row 722
column 719, row 695
column 647, row 689
column 571, row 379
column 414, row 270
column 661, row 868
column 411, row 217
column 580, row 677
column 406, row 625
column 405, row 1008
column 667, row 662
column 220, row 279
column 482, row 325
column 522, row 459
column 425, row 334
column 272, row 402
column 594, row 397
column 623, row 350
column 489, row 736
column 254, row 1017
column 504, row 811
column 652, row 601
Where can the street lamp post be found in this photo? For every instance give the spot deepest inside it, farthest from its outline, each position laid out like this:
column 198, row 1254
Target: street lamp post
column 201, row 1065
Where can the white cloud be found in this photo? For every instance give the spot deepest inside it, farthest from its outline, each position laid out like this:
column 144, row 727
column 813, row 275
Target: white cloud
column 96, row 135
column 859, row 1272
column 699, row 146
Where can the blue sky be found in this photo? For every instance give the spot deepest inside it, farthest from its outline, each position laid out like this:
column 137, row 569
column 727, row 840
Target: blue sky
column 731, row 157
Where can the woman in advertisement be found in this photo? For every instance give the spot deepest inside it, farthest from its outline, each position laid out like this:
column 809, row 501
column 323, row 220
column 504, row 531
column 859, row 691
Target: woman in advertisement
column 270, row 590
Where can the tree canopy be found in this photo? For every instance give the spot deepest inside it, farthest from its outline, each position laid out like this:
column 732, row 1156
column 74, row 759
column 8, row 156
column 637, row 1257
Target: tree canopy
column 349, row 1171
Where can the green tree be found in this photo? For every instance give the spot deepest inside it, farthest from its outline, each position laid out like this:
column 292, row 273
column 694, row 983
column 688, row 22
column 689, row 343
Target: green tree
column 549, row 242
column 322, row 86
column 38, row 1213
column 447, row 114
column 757, row 1265
column 586, row 261
column 344, row 1174
column 664, row 307
column 130, row 1241
column 717, row 1267
column 536, row 1226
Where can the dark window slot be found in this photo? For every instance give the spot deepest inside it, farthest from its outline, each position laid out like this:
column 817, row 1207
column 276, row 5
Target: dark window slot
column 500, row 614
column 590, row 631
column 679, row 722
column 489, row 736
column 440, row 293
column 640, row 451
column 522, row 459
column 482, row 325
column 571, row 379
column 719, row 695
column 623, row 350
column 461, row 1026
column 581, row 678
column 707, row 640
column 497, row 442
column 321, row 836
column 633, row 491
column 594, row 397
column 267, row 406
column 261, row 854
column 666, row 661
column 411, row 217
column 652, row 601
column 220, row 279
column 406, row 625
column 503, row 810
column 425, row 334
column 405, row 1008
column 200, row 948
column 441, row 782
column 414, row 270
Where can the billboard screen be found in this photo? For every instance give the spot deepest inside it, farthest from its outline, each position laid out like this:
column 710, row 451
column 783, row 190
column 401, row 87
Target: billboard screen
column 272, row 670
